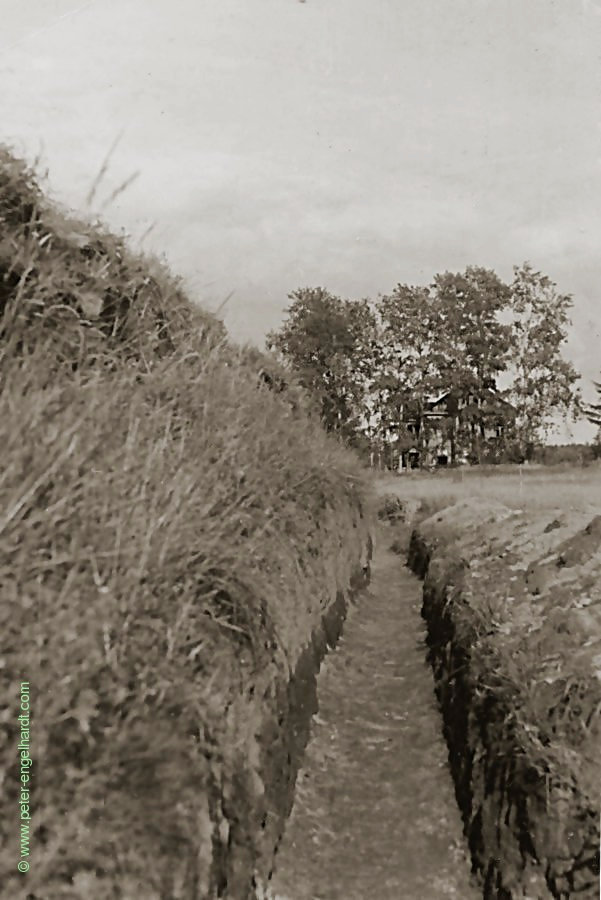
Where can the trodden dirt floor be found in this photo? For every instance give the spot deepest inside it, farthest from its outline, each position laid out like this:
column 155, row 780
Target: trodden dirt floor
column 375, row 816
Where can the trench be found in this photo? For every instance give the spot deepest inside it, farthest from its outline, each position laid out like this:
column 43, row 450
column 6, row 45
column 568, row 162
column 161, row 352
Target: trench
column 374, row 813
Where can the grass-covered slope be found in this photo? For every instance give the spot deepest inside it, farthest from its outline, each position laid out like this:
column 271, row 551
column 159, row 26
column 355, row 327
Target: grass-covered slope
column 171, row 532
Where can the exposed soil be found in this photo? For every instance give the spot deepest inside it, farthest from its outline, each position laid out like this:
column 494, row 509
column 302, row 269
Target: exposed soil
column 278, row 717
column 375, row 813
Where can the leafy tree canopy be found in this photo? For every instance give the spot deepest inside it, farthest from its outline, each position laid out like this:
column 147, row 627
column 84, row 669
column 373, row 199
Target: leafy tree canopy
column 544, row 383
column 327, row 342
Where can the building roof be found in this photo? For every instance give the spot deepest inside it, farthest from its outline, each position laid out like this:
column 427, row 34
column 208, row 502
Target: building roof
column 490, row 392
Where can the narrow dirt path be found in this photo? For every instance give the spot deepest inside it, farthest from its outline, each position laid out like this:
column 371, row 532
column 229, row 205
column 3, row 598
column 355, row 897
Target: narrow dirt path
column 375, row 814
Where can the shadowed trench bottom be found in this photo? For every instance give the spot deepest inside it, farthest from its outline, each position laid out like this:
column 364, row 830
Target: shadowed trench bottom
column 375, row 814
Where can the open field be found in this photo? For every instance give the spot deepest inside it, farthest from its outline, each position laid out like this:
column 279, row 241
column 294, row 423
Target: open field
column 530, row 488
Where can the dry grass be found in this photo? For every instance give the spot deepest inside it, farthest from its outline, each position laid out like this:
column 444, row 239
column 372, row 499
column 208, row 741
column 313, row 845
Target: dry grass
column 168, row 529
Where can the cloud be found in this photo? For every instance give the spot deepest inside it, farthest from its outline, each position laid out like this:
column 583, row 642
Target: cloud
column 348, row 144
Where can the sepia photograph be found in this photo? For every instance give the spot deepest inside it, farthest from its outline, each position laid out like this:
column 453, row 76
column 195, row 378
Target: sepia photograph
column 300, row 430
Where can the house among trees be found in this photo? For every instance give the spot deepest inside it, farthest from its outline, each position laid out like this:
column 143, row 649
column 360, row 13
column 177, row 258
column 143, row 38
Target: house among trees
column 371, row 367
column 456, row 427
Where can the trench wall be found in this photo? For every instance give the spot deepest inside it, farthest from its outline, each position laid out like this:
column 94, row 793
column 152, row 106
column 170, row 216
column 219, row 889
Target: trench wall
column 257, row 799
column 512, row 604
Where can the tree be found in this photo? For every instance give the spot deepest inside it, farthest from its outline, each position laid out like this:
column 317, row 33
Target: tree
column 450, row 337
column 326, row 341
column 476, row 341
column 596, row 445
column 544, row 383
column 410, row 336
column 474, row 346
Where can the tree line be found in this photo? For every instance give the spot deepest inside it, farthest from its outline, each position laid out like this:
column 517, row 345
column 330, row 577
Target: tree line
column 373, row 366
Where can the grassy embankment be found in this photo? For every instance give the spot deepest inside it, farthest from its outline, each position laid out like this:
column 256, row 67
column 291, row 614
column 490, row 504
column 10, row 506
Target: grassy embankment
column 170, row 534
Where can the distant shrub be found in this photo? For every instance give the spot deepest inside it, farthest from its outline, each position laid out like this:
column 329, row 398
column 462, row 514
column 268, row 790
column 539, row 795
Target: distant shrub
column 572, row 454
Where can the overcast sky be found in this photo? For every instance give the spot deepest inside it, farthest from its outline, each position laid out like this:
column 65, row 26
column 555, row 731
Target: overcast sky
column 350, row 144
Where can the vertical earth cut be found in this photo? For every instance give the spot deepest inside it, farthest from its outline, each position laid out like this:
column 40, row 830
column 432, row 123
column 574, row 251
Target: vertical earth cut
column 512, row 603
